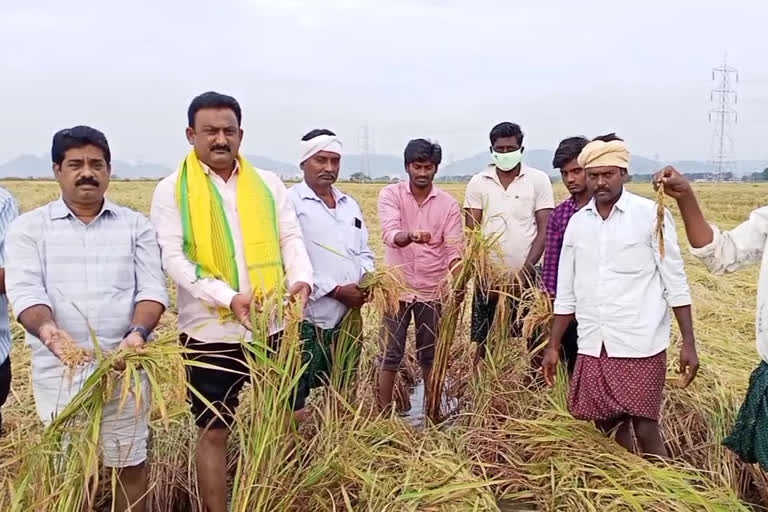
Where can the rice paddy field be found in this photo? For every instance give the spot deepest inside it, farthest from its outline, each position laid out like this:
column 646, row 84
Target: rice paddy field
column 506, row 442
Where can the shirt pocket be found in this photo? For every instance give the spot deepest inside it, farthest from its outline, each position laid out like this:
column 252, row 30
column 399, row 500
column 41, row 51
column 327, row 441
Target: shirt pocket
column 520, row 205
column 117, row 269
column 632, row 256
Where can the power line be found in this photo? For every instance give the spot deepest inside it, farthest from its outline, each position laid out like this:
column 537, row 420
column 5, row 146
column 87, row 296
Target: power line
column 723, row 116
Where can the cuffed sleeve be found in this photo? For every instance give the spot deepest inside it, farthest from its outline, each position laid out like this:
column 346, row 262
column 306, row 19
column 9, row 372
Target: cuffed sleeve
column 150, row 281
column 24, row 272
column 671, row 268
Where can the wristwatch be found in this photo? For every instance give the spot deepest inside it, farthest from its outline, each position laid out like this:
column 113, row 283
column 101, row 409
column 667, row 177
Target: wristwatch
column 143, row 331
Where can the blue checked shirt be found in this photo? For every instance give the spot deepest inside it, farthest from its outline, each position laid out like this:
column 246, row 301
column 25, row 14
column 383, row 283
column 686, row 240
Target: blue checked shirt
column 90, row 275
column 9, row 210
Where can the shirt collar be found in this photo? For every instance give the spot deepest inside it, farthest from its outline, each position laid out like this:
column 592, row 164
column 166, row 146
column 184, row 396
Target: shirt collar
column 207, row 170
column 622, row 204
column 307, row 192
column 60, row 210
column 407, row 185
column 490, row 172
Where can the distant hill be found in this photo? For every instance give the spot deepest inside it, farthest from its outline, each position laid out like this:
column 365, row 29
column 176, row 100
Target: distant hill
column 31, row 166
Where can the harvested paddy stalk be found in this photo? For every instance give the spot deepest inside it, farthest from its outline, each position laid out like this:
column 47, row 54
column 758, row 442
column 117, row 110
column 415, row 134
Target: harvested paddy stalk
column 61, row 473
column 475, row 251
column 264, row 425
column 660, row 212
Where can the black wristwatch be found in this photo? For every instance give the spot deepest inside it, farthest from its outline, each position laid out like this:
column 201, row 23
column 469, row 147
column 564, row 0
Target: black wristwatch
column 143, row 331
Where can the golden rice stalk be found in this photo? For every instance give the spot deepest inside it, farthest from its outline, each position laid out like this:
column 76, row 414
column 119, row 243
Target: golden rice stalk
column 456, row 284
column 536, row 310
column 61, row 472
column 385, row 286
column 660, row 218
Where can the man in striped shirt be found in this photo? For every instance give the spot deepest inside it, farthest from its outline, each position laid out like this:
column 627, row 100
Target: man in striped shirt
column 83, row 264
column 8, row 211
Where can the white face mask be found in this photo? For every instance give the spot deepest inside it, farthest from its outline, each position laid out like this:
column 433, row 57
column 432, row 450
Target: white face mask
column 507, row 161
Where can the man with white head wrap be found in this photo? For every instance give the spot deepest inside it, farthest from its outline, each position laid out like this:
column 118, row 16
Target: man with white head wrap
column 337, row 242
column 614, row 281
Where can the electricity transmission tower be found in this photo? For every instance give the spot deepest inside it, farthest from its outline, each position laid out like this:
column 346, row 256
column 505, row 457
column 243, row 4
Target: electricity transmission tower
column 723, row 116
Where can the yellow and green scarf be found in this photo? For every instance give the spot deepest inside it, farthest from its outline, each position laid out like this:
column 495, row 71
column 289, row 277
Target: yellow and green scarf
column 208, row 239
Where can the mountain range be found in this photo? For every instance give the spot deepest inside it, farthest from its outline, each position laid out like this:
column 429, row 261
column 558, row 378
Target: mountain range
column 379, row 165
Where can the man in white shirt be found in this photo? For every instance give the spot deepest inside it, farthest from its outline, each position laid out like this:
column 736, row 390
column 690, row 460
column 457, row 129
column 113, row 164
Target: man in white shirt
column 613, row 280
column 724, row 252
column 229, row 237
column 512, row 202
column 337, row 242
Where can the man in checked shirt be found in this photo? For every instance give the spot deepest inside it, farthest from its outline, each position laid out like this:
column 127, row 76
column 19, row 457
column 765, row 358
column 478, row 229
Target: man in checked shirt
column 574, row 179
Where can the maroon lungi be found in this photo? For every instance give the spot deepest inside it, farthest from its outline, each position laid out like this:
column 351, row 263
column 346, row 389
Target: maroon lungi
column 604, row 388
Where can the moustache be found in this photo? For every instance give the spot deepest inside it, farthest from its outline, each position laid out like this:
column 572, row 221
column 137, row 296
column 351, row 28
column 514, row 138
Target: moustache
column 221, row 148
column 86, row 181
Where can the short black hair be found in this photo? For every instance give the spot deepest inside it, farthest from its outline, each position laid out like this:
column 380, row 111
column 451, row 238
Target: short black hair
column 608, row 138
column 423, row 150
column 212, row 99
column 78, row 137
column 507, row 130
column 568, row 150
column 316, row 133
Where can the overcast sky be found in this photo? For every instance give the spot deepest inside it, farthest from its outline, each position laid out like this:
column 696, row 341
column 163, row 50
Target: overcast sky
column 447, row 70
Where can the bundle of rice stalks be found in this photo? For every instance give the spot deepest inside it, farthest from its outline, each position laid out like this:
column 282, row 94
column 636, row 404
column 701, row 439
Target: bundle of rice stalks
column 385, row 286
column 360, row 464
column 535, row 310
column 528, row 439
column 61, row 473
column 660, row 218
column 264, row 426
column 456, row 284
column 347, row 348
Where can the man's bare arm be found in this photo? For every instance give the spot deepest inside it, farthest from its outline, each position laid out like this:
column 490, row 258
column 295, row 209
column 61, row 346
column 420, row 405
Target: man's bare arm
column 147, row 313
column 473, row 217
column 35, row 318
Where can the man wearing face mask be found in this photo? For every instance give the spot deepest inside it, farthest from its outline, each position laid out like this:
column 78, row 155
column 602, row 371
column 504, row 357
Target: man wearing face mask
column 512, row 203
column 229, row 238
column 337, row 242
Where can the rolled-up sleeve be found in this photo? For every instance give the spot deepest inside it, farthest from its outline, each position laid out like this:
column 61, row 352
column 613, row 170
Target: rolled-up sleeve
column 166, row 219
column 24, row 281
column 544, row 196
column 565, row 302
column 737, row 248
column 389, row 216
column 298, row 267
column 8, row 213
column 473, row 197
column 150, row 281
column 454, row 233
column 671, row 268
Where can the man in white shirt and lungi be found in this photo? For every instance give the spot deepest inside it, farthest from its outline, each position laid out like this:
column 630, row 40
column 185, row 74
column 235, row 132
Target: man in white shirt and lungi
column 337, row 242
column 615, row 282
